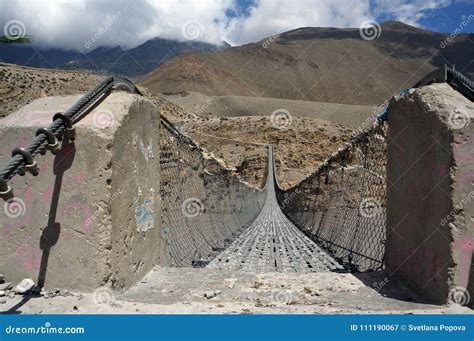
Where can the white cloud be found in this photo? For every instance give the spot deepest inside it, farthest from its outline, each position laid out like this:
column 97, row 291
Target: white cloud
column 275, row 16
column 408, row 11
column 74, row 24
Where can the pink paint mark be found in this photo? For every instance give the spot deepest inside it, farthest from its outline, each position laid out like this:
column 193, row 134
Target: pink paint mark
column 465, row 246
column 28, row 257
column 18, row 223
column 463, row 156
column 80, row 178
column 465, row 178
column 23, row 142
column 28, row 195
column 441, row 170
column 48, row 194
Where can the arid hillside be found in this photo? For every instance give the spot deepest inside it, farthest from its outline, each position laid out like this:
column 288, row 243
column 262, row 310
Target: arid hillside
column 207, row 107
column 317, row 64
column 20, row 85
column 240, row 143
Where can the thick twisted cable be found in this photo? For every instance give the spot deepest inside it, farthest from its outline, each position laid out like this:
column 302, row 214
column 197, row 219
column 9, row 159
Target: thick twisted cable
column 85, row 102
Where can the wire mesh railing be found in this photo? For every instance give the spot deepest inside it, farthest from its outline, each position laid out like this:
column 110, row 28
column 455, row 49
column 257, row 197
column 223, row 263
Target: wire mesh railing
column 204, row 206
column 341, row 206
column 460, row 82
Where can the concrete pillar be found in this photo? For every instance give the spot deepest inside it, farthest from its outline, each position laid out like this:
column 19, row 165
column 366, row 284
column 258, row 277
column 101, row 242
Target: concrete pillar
column 91, row 216
column 430, row 193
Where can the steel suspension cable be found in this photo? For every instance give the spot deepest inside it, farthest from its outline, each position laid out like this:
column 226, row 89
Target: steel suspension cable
column 61, row 123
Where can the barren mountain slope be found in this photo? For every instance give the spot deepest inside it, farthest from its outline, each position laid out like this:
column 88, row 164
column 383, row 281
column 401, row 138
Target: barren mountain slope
column 317, row 64
column 240, row 142
column 20, row 85
column 207, row 107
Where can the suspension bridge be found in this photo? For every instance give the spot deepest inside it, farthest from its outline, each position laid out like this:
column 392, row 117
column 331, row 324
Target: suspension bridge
column 334, row 220
column 273, row 243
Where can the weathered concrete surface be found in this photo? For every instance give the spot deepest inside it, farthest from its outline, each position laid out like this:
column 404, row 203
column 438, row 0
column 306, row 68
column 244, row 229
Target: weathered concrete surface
column 92, row 214
column 430, row 193
column 212, row 291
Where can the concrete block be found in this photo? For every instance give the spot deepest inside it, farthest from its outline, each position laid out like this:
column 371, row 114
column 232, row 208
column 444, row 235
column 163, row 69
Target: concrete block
column 91, row 216
column 430, row 193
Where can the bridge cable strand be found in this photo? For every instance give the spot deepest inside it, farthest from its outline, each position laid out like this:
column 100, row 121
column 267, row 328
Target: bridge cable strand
column 62, row 123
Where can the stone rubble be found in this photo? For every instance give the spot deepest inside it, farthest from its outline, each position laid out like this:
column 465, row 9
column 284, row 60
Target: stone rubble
column 25, row 286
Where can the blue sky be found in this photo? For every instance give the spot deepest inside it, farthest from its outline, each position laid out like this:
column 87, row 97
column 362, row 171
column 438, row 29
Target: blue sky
column 71, row 24
column 444, row 17
column 447, row 19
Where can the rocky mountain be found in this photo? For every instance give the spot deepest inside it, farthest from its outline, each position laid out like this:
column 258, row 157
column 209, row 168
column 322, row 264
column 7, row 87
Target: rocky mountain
column 132, row 63
column 318, row 64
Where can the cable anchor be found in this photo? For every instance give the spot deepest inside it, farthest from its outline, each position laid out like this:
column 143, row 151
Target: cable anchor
column 69, row 131
column 6, row 192
column 31, row 165
column 52, row 145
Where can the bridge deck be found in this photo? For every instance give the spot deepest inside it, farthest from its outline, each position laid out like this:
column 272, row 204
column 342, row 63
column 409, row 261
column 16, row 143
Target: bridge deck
column 273, row 243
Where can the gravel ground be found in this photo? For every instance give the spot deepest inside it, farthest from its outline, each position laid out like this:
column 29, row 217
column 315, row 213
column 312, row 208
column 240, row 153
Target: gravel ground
column 211, row 291
column 21, row 85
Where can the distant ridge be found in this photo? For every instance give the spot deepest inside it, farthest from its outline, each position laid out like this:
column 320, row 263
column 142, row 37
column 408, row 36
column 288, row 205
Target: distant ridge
column 132, row 63
column 318, row 64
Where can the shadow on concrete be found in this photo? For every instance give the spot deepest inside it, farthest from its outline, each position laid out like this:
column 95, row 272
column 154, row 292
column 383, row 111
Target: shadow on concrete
column 50, row 235
column 387, row 285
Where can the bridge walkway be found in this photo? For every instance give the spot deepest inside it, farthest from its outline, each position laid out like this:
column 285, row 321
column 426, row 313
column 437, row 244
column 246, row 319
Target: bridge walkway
column 272, row 243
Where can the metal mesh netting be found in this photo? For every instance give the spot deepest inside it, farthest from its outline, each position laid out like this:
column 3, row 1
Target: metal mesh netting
column 204, row 207
column 341, row 206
